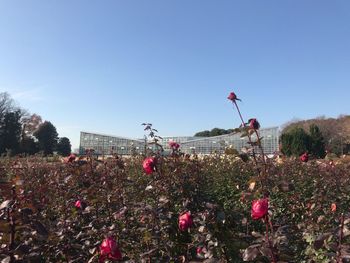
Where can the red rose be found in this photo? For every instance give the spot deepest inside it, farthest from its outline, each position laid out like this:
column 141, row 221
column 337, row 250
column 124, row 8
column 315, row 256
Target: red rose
column 174, row 145
column 109, row 250
column 185, row 221
column 149, row 165
column 304, row 157
column 259, row 208
column 254, row 124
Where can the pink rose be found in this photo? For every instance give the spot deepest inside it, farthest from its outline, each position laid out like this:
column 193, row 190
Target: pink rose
column 80, row 204
column 149, row 165
column 109, row 250
column 185, row 221
column 259, row 208
column 333, row 207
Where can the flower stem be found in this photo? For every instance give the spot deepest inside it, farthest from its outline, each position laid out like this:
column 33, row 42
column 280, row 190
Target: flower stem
column 251, row 143
column 243, row 124
column 268, row 241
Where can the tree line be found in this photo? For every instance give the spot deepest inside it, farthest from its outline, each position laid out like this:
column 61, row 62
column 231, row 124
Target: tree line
column 213, row 132
column 335, row 132
column 25, row 133
column 298, row 141
column 316, row 136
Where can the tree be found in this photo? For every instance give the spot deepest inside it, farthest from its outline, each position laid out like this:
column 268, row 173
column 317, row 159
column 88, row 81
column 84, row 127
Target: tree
column 47, row 137
column 213, row 132
column 10, row 131
column 28, row 145
column 6, row 104
column 335, row 131
column 317, row 142
column 64, row 146
column 205, row 133
column 286, row 142
column 295, row 142
column 31, row 124
column 217, row 132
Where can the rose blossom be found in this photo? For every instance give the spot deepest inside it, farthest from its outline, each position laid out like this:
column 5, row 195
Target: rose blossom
column 185, row 221
column 109, row 250
column 259, row 208
column 149, row 165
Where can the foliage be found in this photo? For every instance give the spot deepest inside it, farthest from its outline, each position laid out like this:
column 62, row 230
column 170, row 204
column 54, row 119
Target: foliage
column 10, row 131
column 295, row 142
column 142, row 210
column 28, row 145
column 336, row 131
column 64, row 147
column 317, row 147
column 6, row 104
column 18, row 127
column 47, row 137
column 31, row 124
column 213, row 132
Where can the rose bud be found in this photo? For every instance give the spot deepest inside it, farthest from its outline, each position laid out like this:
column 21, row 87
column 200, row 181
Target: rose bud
column 80, row 205
column 232, row 96
column 304, row 157
column 333, row 207
column 254, row 124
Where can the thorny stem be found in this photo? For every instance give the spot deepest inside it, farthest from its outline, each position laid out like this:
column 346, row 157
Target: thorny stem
column 262, row 153
column 260, row 146
column 249, row 137
column 251, row 143
column 268, row 241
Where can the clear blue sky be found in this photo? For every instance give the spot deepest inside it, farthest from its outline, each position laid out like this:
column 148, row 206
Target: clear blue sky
column 108, row 66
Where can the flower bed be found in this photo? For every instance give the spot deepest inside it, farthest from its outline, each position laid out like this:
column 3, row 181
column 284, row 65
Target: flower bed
column 144, row 213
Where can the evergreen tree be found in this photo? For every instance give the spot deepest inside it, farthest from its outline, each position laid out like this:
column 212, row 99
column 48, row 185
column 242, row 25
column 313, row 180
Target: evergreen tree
column 28, row 145
column 301, row 142
column 286, row 141
column 317, row 142
column 205, row 133
column 10, row 131
column 64, row 146
column 295, row 142
column 213, row 132
column 47, row 137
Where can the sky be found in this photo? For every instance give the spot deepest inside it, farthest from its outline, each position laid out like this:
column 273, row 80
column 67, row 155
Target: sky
column 108, row 66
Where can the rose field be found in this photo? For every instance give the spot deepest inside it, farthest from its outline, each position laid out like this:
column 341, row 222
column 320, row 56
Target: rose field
column 186, row 209
column 175, row 207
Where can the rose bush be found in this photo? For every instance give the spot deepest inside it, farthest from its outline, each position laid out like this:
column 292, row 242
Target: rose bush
column 143, row 212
